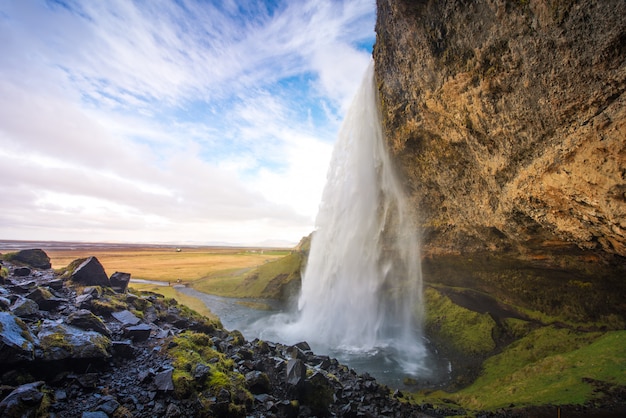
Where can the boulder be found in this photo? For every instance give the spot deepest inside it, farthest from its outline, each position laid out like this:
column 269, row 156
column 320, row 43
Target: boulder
column 163, row 381
column 85, row 319
column 16, row 340
column 119, row 281
column 258, row 382
column 126, row 317
column 60, row 341
column 21, row 271
column 45, row 299
column 35, row 258
column 296, row 372
column 25, row 308
column 139, row 332
column 24, row 401
column 90, row 273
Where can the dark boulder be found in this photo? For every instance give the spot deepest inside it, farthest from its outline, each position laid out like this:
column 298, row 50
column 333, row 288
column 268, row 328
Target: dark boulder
column 21, row 271
column 91, row 273
column 16, row 341
column 119, row 281
column 60, row 341
column 85, row 319
column 24, row 401
column 139, row 332
column 35, row 258
column 45, row 299
column 25, row 308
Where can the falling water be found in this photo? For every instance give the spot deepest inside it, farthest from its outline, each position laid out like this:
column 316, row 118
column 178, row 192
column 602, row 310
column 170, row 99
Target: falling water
column 361, row 291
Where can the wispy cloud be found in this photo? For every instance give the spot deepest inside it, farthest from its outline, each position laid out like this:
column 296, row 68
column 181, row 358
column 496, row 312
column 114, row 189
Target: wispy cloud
column 172, row 121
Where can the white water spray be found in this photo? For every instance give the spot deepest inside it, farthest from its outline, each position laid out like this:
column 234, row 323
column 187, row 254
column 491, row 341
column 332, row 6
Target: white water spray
column 362, row 287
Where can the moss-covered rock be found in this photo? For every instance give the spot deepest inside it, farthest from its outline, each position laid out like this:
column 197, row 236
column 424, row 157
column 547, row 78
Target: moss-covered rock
column 33, row 257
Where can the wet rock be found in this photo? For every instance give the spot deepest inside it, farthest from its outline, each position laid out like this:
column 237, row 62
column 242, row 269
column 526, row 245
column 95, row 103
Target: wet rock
column 23, row 401
column 295, row 372
column 60, row 341
column 201, row 372
column 34, row 257
column 318, row 394
column 258, row 382
column 45, row 299
column 122, row 349
column 17, row 343
column 173, row 411
column 139, row 332
column 88, row 380
column 94, row 414
column 126, row 317
column 108, row 405
column 85, row 319
column 119, row 281
column 21, row 271
column 163, row 381
column 90, row 273
column 25, row 308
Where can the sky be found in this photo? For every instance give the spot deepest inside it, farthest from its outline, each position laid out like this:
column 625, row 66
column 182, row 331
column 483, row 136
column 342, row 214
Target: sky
column 173, row 121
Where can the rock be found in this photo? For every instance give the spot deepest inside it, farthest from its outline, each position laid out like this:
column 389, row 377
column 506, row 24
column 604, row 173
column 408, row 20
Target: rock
column 59, row 341
column 25, row 308
column 90, row 273
column 119, row 281
column 108, row 405
column 258, row 382
column 23, row 401
column 21, row 271
column 44, row 299
column 94, row 414
column 201, row 372
column 163, row 381
column 16, row 338
column 295, row 372
column 123, row 349
column 88, row 380
column 85, row 319
column 318, row 394
column 35, row 258
column 126, row 317
column 139, row 332
column 172, row 411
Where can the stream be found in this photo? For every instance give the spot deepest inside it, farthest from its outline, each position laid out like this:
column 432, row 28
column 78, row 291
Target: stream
column 257, row 318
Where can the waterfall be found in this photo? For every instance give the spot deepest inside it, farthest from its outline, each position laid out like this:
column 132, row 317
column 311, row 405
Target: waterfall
column 361, row 290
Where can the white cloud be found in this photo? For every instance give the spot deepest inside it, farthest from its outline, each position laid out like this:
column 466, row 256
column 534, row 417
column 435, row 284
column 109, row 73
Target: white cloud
column 172, row 121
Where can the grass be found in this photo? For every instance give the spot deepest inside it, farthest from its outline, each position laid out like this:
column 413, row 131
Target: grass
column 171, row 292
column 264, row 281
column 166, row 264
column 468, row 331
column 549, row 366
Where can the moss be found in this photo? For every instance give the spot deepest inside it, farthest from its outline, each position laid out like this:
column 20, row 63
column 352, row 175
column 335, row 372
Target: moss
column 190, row 349
column 550, row 365
column 55, row 340
column 464, row 330
column 4, row 272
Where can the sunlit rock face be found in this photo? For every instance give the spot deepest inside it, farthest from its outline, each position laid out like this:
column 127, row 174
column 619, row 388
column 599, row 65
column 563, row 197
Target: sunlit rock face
column 508, row 121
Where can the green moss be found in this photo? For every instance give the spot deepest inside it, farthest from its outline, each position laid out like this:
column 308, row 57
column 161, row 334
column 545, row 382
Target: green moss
column 190, row 349
column 549, row 366
column 4, row 272
column 467, row 331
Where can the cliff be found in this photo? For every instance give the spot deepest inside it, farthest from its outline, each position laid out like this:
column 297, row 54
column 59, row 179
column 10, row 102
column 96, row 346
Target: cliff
column 508, row 123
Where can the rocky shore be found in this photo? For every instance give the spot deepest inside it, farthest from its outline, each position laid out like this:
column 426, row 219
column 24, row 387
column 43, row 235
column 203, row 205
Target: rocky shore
column 78, row 343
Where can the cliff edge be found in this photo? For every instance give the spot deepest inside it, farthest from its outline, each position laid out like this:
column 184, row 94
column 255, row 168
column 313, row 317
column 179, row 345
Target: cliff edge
column 508, row 122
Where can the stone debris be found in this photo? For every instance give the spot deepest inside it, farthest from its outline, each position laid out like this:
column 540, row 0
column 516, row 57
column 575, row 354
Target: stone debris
column 95, row 352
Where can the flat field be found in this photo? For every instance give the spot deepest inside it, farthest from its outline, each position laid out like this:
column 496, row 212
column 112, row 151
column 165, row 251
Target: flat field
column 159, row 263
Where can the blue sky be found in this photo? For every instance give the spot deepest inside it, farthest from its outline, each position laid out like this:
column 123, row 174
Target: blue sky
column 173, row 121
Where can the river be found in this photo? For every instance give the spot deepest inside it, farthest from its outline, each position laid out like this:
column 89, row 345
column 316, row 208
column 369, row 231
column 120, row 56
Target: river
column 255, row 319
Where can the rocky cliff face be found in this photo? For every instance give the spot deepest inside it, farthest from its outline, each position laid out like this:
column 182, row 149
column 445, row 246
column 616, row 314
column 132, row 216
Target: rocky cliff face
column 508, row 121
